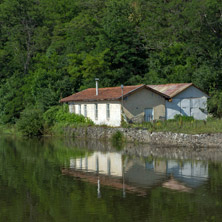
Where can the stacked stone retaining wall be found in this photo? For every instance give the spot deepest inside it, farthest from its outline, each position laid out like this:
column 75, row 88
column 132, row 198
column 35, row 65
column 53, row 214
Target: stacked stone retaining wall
column 144, row 136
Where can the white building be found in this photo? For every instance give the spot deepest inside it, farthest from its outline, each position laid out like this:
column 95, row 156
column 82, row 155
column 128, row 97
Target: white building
column 109, row 105
column 185, row 99
column 138, row 103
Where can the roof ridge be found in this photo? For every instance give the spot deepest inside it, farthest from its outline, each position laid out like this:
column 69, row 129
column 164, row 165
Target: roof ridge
column 170, row 84
column 111, row 87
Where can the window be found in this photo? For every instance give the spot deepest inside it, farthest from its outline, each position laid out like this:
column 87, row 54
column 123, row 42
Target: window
column 96, row 111
column 79, row 108
column 71, row 107
column 107, row 111
column 85, row 110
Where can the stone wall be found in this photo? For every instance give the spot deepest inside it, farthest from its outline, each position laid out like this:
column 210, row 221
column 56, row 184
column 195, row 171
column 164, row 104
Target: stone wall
column 144, row 136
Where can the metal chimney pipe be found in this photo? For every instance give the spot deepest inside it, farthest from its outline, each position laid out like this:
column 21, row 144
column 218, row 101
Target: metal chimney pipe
column 97, row 86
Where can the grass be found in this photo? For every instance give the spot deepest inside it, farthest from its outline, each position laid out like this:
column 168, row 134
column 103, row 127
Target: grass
column 183, row 126
column 9, row 129
column 179, row 125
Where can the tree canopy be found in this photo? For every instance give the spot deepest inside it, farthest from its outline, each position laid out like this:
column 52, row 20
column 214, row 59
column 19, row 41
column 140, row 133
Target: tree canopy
column 52, row 48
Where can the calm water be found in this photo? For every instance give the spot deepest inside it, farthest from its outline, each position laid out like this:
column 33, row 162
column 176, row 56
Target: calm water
column 52, row 181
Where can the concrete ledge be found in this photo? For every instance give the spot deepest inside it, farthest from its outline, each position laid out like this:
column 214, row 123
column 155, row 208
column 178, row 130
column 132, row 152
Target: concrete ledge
column 144, row 136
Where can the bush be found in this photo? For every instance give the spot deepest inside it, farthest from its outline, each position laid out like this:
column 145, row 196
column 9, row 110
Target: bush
column 179, row 117
column 31, row 122
column 50, row 115
column 215, row 103
column 117, row 140
column 61, row 114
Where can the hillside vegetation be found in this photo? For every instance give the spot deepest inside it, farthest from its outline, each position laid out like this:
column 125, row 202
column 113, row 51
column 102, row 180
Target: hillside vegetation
column 50, row 49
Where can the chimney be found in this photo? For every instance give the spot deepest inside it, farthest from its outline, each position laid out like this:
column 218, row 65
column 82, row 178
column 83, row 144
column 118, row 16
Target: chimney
column 97, row 86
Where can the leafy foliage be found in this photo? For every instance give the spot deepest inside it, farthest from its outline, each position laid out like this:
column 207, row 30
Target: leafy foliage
column 31, row 122
column 50, row 115
column 118, row 140
column 215, row 103
column 183, row 118
column 64, row 116
column 34, row 122
column 50, row 49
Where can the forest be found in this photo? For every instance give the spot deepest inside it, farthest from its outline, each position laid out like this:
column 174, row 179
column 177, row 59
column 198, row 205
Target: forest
column 50, row 49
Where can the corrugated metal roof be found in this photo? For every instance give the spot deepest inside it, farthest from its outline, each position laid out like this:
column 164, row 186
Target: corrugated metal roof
column 171, row 89
column 109, row 93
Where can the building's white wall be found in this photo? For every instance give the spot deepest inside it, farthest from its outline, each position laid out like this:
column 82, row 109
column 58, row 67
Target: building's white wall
column 196, row 107
column 191, row 102
column 115, row 112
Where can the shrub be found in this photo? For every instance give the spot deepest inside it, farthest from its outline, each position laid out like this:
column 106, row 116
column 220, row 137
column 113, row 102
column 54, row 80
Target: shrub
column 31, row 122
column 118, row 139
column 179, row 117
column 61, row 114
column 215, row 103
column 50, row 115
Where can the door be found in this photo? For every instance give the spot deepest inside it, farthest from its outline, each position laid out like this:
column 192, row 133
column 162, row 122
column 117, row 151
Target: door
column 185, row 107
column 148, row 115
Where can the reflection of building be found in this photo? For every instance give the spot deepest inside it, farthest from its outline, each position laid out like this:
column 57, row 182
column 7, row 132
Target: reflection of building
column 192, row 174
column 144, row 174
column 102, row 163
column 137, row 174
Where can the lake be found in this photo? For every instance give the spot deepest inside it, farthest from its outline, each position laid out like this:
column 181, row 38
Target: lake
column 75, row 180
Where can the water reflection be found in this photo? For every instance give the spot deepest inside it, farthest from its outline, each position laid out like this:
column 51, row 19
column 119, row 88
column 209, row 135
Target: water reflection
column 32, row 187
column 138, row 174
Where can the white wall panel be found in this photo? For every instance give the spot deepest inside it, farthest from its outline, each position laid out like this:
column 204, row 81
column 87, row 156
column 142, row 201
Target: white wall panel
column 196, row 107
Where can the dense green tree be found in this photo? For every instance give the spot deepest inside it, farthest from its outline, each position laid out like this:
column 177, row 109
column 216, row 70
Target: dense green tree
column 120, row 38
column 52, row 48
column 215, row 103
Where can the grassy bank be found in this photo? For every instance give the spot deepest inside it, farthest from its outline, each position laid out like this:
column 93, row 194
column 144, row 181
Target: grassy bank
column 183, row 126
column 175, row 126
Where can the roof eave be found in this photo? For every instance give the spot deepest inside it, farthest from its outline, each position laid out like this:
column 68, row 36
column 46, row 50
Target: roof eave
column 90, row 100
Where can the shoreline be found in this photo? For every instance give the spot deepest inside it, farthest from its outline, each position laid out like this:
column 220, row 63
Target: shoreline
column 134, row 135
